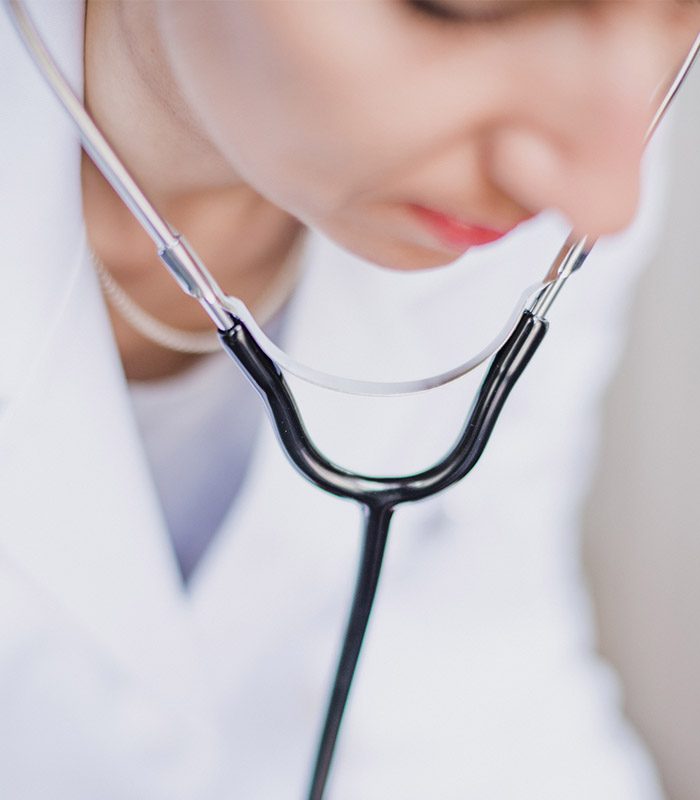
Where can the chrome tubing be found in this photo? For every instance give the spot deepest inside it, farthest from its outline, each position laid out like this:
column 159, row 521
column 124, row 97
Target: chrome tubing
column 176, row 254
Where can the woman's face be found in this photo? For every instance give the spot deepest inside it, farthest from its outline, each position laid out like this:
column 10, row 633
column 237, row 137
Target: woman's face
column 401, row 128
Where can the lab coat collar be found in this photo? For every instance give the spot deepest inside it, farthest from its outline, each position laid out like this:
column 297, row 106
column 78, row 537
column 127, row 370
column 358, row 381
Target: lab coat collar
column 80, row 519
column 83, row 521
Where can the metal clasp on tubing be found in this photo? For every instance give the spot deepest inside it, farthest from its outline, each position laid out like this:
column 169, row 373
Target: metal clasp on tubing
column 569, row 259
column 196, row 280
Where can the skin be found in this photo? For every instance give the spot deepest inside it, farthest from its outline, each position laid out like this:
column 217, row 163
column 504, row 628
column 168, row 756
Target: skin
column 257, row 117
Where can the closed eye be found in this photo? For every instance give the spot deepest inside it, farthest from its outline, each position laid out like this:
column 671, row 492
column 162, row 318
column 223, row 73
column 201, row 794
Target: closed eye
column 489, row 11
column 492, row 11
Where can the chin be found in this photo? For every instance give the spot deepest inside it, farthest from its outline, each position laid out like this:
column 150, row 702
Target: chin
column 404, row 257
column 396, row 254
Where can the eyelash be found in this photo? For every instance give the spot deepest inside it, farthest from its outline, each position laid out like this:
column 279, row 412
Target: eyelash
column 431, row 9
column 439, row 13
column 435, row 11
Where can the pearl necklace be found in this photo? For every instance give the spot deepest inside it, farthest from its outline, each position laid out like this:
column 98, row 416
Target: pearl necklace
column 194, row 342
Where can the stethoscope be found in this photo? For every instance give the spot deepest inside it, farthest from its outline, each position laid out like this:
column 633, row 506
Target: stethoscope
column 265, row 365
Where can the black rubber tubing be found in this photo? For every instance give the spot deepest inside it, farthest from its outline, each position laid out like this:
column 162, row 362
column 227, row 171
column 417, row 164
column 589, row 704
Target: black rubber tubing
column 378, row 496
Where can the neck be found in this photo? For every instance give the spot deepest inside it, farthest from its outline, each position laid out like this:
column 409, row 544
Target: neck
column 242, row 237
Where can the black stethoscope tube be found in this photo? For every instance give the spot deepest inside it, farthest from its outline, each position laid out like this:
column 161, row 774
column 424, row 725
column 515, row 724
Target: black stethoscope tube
column 378, row 496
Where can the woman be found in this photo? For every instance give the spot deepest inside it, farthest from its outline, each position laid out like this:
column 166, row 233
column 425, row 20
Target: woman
column 166, row 633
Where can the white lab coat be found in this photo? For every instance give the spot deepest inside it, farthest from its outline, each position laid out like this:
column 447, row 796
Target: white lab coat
column 477, row 679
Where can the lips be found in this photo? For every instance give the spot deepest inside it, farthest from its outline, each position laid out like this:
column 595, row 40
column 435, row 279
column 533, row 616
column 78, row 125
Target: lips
column 454, row 232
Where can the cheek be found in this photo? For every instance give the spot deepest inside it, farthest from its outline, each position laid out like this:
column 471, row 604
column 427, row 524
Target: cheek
column 314, row 105
column 337, row 112
column 228, row 69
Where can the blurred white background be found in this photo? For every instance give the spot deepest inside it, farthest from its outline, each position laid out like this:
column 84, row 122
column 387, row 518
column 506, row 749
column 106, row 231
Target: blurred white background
column 642, row 529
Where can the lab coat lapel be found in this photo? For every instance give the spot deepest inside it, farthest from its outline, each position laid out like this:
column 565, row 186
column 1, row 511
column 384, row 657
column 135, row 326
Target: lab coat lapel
column 79, row 516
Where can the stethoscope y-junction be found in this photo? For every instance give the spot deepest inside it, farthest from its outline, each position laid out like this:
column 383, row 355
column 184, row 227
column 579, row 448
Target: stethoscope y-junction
column 265, row 365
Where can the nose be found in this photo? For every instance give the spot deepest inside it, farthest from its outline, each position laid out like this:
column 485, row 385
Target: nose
column 577, row 139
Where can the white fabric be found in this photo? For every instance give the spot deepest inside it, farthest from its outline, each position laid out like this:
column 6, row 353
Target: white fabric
column 478, row 678
column 198, row 429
